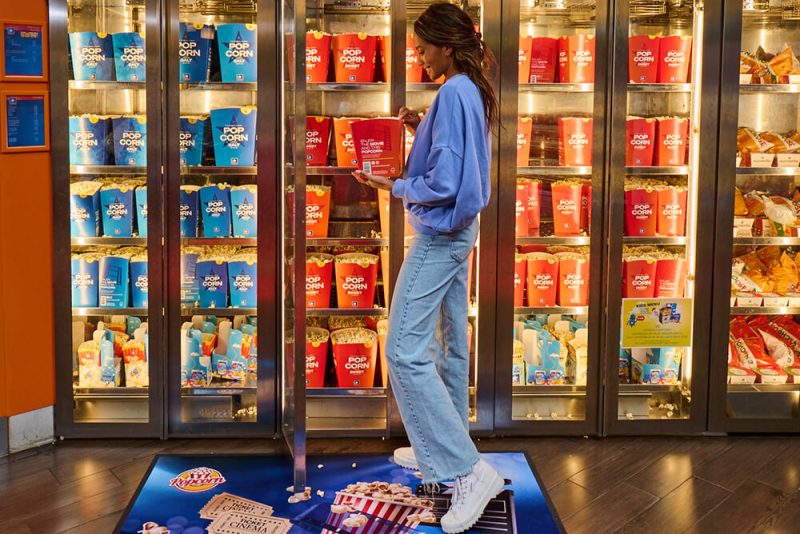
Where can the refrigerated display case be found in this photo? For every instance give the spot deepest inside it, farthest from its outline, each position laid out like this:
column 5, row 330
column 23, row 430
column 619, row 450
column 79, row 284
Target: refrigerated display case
column 550, row 224
column 358, row 64
column 662, row 153
column 755, row 382
column 106, row 182
column 220, row 201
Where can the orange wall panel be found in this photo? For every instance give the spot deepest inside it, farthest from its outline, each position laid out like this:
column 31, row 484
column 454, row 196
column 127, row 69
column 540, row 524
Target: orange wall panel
column 27, row 361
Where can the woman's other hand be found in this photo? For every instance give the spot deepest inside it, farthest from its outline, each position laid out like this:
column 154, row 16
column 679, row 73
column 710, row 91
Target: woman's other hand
column 409, row 117
column 376, row 182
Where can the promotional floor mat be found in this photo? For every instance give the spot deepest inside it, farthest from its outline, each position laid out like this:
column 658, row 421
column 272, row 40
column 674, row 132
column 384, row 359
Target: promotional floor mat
column 349, row 494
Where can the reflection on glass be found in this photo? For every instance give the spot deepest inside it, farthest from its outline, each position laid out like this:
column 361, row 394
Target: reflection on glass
column 217, row 60
column 108, row 211
column 763, row 369
column 553, row 210
column 660, row 195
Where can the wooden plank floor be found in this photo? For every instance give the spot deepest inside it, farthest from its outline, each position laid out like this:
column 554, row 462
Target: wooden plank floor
column 652, row 485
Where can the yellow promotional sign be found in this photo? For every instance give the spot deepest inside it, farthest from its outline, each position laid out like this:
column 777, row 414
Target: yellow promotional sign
column 656, row 323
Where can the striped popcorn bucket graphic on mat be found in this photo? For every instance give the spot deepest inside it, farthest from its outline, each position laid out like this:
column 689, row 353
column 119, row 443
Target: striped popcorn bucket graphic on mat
column 381, row 516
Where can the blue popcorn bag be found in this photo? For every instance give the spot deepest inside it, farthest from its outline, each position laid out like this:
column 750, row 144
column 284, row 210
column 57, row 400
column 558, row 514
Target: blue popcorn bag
column 193, row 140
column 194, row 47
column 234, row 136
column 212, row 275
column 215, row 205
column 243, row 280
column 243, row 204
column 190, row 283
column 92, row 56
column 90, row 140
column 139, row 281
column 114, row 282
column 237, row 52
column 189, row 207
column 130, row 141
column 84, row 209
column 129, row 57
column 116, row 209
column 85, row 276
column 141, row 210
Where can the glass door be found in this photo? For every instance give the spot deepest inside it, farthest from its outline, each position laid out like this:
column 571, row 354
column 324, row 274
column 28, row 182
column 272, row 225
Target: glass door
column 550, row 218
column 107, row 181
column 755, row 361
column 662, row 151
column 222, row 372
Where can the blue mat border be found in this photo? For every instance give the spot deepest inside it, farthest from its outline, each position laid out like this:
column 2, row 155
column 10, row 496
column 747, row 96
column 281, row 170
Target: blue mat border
column 145, row 478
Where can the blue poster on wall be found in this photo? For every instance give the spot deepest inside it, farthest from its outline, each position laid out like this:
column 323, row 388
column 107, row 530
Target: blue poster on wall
column 347, row 494
column 23, row 44
column 25, row 121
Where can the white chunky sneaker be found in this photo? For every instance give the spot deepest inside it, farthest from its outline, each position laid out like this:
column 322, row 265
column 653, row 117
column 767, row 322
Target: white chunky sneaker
column 471, row 494
column 405, row 457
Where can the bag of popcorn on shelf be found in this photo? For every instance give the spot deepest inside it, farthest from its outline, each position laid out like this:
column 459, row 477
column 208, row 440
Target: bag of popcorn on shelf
column 194, row 365
column 134, row 354
column 227, row 361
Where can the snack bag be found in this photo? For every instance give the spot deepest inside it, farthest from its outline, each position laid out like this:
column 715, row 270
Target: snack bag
column 534, row 205
column 672, row 136
column 524, row 129
column 243, row 278
column 194, row 135
column 345, row 146
column 117, row 209
column 318, row 133
column 188, row 210
column 317, row 343
column 520, row 270
column 639, row 276
column 576, row 58
column 318, row 207
column 194, row 51
column 84, row 208
column 129, row 57
column 354, row 57
column 573, row 279
column 525, row 42
column 356, row 280
column 355, row 353
column 672, row 211
column 212, row 275
column 134, row 354
column 215, row 201
column 575, row 141
column 238, row 52
column 130, row 140
column 641, row 210
column 139, row 280
column 379, row 146
column 234, row 135
column 91, row 141
column 640, row 135
column 675, row 55
column 544, row 60
column 244, row 202
column 92, row 56
column 567, row 203
column 319, row 278
column 521, row 220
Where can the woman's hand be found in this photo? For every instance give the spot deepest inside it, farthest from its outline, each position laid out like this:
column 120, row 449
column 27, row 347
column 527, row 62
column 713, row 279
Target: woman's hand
column 409, row 117
column 376, row 182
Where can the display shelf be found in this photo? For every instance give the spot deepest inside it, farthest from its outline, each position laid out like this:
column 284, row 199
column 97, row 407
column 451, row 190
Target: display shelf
column 105, row 169
column 211, row 241
column 764, row 310
column 427, row 86
column 554, row 171
column 657, row 240
column 219, row 86
column 332, row 10
column 346, row 242
column 218, row 390
column 562, row 310
column 780, row 241
column 219, row 171
column 757, row 88
column 762, row 388
column 85, row 393
column 187, row 311
column 90, row 312
column 558, row 389
column 108, row 241
column 324, row 171
column 345, row 392
column 659, row 88
column 349, row 87
column 347, row 312
column 556, row 88
column 648, row 388
column 771, row 171
column 554, row 240
column 107, row 86
column 656, row 171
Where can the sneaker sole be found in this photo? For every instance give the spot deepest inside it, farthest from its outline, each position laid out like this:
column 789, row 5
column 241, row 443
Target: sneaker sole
column 406, row 465
column 491, row 493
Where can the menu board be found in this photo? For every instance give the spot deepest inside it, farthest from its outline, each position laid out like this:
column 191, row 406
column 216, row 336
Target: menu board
column 24, row 122
column 23, row 51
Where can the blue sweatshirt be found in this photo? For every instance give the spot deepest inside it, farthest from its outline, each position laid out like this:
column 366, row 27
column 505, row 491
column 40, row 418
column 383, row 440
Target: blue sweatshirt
column 447, row 181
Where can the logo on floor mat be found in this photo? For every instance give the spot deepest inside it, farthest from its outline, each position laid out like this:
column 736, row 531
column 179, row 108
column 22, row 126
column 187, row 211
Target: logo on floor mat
column 197, row 480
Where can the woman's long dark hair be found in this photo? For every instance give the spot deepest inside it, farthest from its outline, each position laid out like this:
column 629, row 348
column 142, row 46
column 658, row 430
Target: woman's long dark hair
column 447, row 25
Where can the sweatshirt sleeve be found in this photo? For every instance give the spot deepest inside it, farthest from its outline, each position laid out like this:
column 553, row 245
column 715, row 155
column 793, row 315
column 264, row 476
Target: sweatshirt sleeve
column 440, row 184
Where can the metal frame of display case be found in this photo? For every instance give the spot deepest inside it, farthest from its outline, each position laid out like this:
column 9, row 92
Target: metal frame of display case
column 506, row 241
column 696, row 423
column 66, row 426
column 266, row 172
column 719, row 418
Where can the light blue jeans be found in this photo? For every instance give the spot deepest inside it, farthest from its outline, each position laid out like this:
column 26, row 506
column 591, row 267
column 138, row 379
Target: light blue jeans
column 431, row 382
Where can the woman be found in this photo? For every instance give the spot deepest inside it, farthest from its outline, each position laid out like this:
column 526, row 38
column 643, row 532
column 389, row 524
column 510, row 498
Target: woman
column 447, row 185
